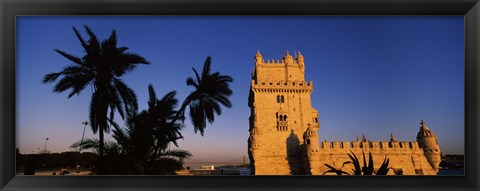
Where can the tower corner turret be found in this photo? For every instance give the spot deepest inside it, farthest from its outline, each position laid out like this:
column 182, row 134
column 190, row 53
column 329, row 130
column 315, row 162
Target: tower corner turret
column 258, row 58
column 288, row 59
column 427, row 140
column 300, row 58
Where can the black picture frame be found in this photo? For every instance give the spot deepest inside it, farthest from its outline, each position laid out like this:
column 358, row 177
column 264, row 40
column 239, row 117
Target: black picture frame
column 9, row 9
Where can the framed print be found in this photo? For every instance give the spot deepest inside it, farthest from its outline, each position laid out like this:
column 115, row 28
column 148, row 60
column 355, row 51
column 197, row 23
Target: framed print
column 240, row 95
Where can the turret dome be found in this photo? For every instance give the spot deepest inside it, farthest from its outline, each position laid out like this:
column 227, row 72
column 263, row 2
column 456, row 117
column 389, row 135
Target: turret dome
column 287, row 55
column 299, row 54
column 288, row 59
column 424, row 131
column 258, row 54
column 310, row 132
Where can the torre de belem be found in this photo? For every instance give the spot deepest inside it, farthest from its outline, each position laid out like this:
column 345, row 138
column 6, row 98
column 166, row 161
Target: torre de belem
column 284, row 130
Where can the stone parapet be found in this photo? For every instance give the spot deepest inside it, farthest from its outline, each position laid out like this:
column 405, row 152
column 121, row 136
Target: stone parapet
column 274, row 62
column 282, row 86
column 369, row 145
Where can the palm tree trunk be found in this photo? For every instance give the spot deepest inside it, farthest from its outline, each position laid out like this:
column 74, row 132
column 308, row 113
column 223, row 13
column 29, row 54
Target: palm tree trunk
column 101, row 161
column 102, row 128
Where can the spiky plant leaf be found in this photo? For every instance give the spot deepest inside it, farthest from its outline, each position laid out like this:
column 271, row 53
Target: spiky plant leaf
column 383, row 170
column 357, row 170
column 368, row 170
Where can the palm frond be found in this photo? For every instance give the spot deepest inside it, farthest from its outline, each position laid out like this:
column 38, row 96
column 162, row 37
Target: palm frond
column 70, row 57
column 152, row 96
column 126, row 62
column 127, row 95
column 191, row 82
column 206, row 67
column 197, row 76
column 80, row 38
column 87, row 143
column 177, row 153
column 94, row 44
column 51, row 77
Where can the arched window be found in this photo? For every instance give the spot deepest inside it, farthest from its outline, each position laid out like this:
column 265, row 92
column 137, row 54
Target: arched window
column 282, row 99
column 308, row 141
column 282, row 124
column 278, row 99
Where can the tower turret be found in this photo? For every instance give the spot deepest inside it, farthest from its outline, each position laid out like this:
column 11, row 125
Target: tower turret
column 258, row 58
column 428, row 141
column 253, row 147
column 288, row 59
column 310, row 137
column 300, row 59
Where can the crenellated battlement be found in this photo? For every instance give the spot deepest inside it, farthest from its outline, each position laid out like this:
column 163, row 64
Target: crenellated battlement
column 274, row 71
column 276, row 62
column 369, row 145
column 282, row 84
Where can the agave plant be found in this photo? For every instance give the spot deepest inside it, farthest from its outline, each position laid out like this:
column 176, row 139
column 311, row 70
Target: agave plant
column 335, row 170
column 361, row 170
column 368, row 169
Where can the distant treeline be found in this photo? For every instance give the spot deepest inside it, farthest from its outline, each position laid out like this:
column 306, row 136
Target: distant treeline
column 69, row 160
column 115, row 163
column 453, row 161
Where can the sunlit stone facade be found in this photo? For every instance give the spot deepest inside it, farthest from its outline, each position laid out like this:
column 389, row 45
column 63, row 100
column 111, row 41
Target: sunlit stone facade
column 284, row 125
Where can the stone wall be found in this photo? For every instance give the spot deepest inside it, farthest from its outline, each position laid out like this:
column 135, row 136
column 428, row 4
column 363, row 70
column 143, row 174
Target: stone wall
column 407, row 157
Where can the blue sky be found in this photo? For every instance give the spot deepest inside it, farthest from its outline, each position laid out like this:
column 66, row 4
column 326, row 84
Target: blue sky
column 371, row 74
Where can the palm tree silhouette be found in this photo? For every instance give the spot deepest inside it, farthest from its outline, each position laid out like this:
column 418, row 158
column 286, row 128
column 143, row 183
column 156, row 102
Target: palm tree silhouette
column 149, row 133
column 211, row 91
column 101, row 68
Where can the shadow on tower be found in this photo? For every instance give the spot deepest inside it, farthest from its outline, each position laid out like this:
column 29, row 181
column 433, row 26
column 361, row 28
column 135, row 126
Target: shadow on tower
column 294, row 154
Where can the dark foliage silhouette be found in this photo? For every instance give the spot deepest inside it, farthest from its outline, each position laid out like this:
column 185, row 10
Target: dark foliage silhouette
column 358, row 170
column 211, row 91
column 149, row 133
column 145, row 140
column 101, row 68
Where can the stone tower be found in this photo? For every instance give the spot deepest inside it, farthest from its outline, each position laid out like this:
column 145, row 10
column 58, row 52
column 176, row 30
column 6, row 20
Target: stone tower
column 428, row 141
column 281, row 112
